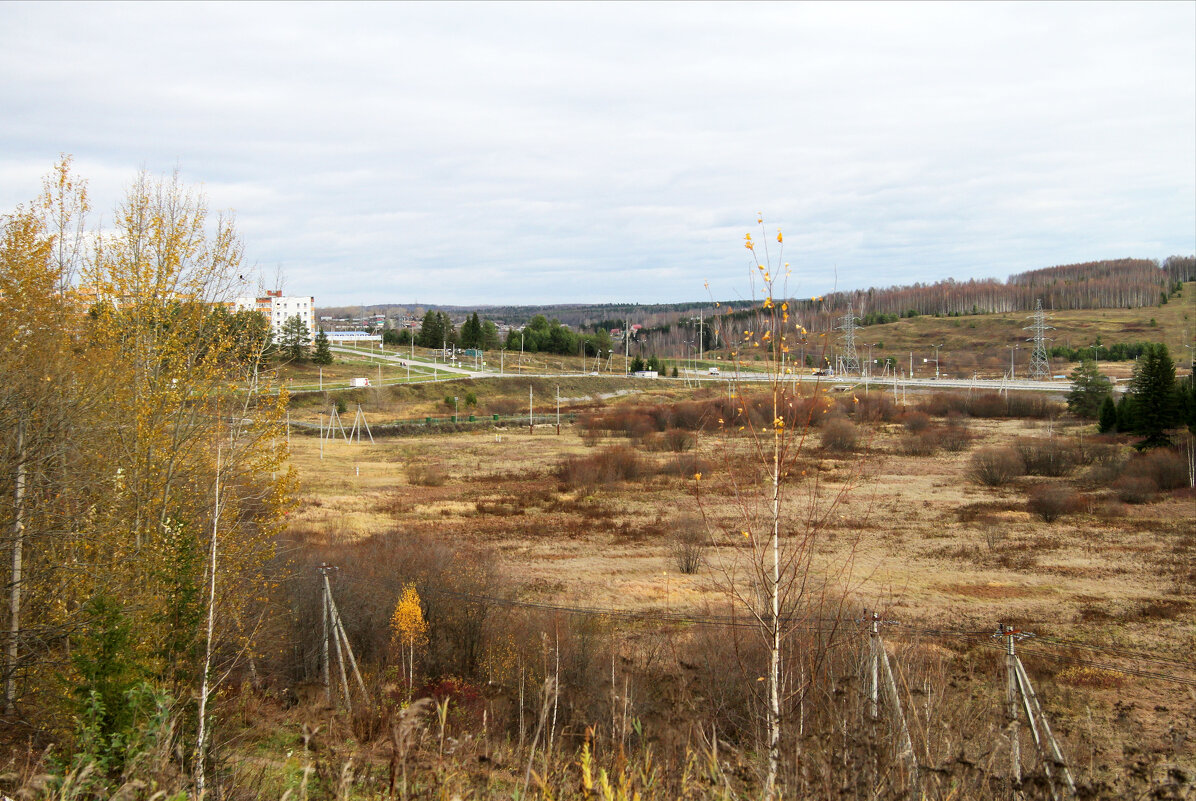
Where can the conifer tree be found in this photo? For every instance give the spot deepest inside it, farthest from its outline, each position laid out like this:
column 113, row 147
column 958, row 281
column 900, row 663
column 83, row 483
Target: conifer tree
column 1152, row 389
column 1108, row 415
column 1088, row 389
column 323, row 354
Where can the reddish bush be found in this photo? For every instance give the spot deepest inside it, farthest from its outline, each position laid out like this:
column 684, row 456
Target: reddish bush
column 619, row 463
column 923, row 443
column 995, row 467
column 1047, row 457
column 1135, row 488
column 1167, row 467
column 916, row 422
column 876, row 408
column 988, row 405
column 838, row 434
column 1052, row 501
column 955, row 436
column 1032, row 405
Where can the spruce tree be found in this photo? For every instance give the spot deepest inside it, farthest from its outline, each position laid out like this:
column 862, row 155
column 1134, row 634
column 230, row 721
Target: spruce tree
column 1088, row 389
column 323, row 354
column 1152, row 390
column 1108, row 415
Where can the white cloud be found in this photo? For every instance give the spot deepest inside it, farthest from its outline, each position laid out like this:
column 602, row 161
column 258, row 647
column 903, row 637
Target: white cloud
column 470, row 153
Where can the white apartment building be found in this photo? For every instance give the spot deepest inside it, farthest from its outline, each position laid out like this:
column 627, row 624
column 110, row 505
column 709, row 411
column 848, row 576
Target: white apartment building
column 279, row 309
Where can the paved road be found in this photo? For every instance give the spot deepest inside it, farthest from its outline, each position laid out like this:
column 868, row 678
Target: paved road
column 985, row 384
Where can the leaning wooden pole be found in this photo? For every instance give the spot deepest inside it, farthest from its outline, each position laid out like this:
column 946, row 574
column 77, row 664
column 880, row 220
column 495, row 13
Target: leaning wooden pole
column 906, row 751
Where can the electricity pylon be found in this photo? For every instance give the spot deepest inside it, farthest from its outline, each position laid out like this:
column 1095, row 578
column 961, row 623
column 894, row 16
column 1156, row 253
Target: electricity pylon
column 1040, row 365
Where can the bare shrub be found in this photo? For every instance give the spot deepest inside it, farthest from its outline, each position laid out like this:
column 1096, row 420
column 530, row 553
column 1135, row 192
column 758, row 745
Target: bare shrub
column 955, row 436
column 685, row 465
column 678, row 440
column 1167, row 467
column 1033, row 405
column 938, row 404
column 995, row 467
column 876, row 408
column 618, row 463
column 1047, row 457
column 687, row 545
column 922, row 443
column 916, row 422
column 1052, row 501
column 988, row 405
column 1135, row 488
column 839, row 435
column 427, row 475
column 503, row 406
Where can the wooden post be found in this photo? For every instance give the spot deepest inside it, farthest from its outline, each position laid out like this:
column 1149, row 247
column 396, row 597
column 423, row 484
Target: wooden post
column 336, row 646
column 326, row 611
column 874, row 658
column 1056, row 752
column 906, row 751
column 340, row 625
column 1011, row 693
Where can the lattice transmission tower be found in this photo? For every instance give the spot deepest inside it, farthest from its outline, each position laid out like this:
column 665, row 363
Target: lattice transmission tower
column 1040, row 365
column 849, row 361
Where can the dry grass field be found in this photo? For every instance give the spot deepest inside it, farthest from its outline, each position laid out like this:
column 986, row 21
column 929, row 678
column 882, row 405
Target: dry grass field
column 903, row 531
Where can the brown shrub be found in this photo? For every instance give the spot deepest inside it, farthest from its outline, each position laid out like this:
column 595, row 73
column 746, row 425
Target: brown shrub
column 1047, row 457
column 988, row 405
column 1032, row 405
column 685, row 465
column 1135, row 488
column 1167, row 467
column 504, row 406
column 994, row 467
column 427, row 475
column 839, row 434
column 1052, row 501
column 876, row 408
column 687, row 545
column 618, row 463
column 955, row 436
column 938, row 404
column 678, row 440
column 916, row 422
column 923, row 443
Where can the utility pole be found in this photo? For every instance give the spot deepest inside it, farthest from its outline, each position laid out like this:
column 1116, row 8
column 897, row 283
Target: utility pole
column 324, row 619
column 1011, row 693
column 531, row 425
column 558, row 410
column 1019, row 689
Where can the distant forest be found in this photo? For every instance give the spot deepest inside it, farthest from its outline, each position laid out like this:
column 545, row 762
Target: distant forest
column 1116, row 283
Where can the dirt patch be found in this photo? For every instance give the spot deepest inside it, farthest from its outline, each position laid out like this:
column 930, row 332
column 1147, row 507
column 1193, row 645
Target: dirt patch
column 993, row 590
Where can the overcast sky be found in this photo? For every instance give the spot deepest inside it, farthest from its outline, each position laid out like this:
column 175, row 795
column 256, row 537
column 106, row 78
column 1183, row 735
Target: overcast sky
column 550, row 153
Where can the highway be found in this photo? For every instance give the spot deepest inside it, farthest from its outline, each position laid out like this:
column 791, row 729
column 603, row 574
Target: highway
column 842, row 383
